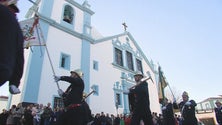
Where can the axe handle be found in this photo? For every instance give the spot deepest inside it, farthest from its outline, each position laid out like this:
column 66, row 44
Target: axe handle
column 89, row 94
column 141, row 82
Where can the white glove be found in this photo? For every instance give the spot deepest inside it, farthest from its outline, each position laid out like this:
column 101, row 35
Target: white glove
column 57, row 78
column 188, row 103
column 164, row 108
column 60, row 92
column 125, row 91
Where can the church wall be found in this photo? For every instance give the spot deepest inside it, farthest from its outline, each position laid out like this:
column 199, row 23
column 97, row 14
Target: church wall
column 105, row 78
column 58, row 44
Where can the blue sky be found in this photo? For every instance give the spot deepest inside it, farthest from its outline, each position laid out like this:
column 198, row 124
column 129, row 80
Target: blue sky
column 183, row 36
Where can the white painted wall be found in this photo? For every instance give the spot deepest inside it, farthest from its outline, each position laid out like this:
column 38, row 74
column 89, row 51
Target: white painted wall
column 58, row 42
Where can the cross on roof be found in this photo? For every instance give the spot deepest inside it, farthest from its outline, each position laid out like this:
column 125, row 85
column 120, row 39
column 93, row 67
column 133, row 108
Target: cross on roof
column 124, row 25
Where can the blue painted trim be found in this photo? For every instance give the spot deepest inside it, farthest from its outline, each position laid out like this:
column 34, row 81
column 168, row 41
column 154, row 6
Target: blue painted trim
column 85, row 64
column 125, row 98
column 134, row 42
column 67, row 30
column 34, row 76
column 46, row 8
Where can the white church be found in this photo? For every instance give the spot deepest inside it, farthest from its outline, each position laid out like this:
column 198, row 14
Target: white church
column 108, row 62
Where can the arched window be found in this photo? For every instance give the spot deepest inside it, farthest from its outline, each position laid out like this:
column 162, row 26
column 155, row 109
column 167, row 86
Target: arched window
column 68, row 14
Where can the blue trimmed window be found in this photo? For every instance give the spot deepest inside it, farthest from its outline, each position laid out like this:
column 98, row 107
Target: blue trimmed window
column 96, row 89
column 118, row 57
column 129, row 60
column 95, row 65
column 139, row 65
column 65, row 61
column 118, row 99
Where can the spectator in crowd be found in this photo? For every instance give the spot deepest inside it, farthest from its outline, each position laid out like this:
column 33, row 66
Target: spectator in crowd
column 3, row 117
column 218, row 112
column 47, row 113
column 18, row 113
column 28, row 118
column 10, row 119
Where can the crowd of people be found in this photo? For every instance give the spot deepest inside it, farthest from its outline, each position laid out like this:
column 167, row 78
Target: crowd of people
column 39, row 114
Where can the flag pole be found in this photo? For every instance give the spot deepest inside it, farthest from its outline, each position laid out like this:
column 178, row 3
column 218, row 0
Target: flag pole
column 171, row 90
column 47, row 51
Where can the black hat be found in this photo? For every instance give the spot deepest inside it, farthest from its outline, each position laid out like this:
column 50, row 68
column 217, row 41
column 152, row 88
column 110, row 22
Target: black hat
column 14, row 7
column 11, row 4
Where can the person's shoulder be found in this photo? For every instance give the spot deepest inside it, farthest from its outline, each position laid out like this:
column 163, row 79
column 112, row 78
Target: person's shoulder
column 192, row 101
column 181, row 103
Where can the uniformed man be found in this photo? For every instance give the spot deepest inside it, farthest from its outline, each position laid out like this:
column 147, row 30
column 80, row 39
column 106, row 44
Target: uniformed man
column 141, row 110
column 218, row 112
column 11, row 48
column 168, row 114
column 187, row 109
column 72, row 98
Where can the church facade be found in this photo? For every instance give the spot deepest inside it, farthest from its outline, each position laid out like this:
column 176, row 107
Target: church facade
column 108, row 63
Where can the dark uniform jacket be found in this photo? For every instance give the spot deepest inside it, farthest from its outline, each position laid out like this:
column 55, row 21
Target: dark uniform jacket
column 168, row 114
column 141, row 110
column 218, row 113
column 75, row 113
column 187, row 110
column 74, row 92
column 11, row 48
column 141, row 98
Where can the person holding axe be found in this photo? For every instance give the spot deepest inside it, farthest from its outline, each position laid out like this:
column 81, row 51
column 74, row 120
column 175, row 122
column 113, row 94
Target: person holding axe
column 141, row 110
column 72, row 98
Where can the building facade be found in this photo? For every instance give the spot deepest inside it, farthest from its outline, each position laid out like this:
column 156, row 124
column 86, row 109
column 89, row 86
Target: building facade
column 205, row 110
column 108, row 63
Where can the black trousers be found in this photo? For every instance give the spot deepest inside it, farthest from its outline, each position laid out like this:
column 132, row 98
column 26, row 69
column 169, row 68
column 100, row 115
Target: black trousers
column 138, row 116
column 75, row 116
column 190, row 121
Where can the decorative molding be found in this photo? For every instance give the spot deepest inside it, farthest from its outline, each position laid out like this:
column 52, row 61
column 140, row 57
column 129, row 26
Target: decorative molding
column 65, row 29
